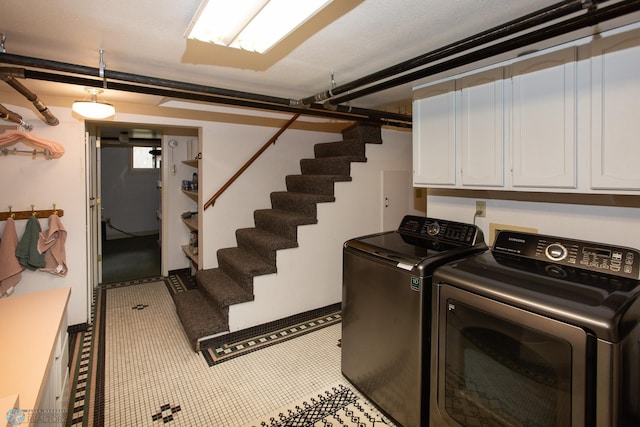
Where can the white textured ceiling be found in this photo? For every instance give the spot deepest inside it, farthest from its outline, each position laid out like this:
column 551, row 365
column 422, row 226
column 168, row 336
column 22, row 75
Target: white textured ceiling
column 146, row 37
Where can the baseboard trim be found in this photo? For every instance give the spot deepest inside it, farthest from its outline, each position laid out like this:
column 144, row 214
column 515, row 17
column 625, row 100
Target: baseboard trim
column 80, row 327
column 270, row 326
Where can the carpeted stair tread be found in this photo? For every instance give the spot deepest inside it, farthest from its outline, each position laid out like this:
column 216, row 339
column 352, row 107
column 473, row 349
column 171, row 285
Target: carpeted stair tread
column 351, row 148
column 328, row 166
column 369, row 133
column 199, row 317
column 243, row 265
column 314, row 184
column 284, row 223
column 303, row 203
column 263, row 243
column 204, row 312
column 220, row 288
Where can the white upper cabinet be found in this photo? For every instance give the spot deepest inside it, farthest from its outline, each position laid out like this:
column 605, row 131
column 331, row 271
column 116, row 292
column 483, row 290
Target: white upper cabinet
column 481, row 128
column 562, row 120
column 544, row 120
column 615, row 117
column 434, row 148
column 541, row 152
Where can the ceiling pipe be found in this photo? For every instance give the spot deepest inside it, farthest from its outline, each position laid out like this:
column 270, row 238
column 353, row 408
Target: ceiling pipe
column 182, row 90
column 531, row 20
column 13, row 117
column 342, row 113
column 7, row 74
column 591, row 18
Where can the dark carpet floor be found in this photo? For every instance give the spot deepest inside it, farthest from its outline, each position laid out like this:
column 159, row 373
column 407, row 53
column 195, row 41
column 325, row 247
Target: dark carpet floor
column 129, row 259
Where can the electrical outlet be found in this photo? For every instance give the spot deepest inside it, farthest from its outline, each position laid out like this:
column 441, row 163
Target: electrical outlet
column 481, row 209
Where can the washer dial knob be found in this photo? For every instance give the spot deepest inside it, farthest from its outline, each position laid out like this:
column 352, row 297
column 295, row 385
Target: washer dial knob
column 433, row 229
column 556, row 252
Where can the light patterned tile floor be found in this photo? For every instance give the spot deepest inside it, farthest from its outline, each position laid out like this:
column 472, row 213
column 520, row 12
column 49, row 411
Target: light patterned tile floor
column 151, row 370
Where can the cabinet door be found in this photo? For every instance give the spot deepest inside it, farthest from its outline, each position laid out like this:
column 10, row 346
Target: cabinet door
column 544, row 121
column 434, row 135
column 481, row 127
column 615, row 102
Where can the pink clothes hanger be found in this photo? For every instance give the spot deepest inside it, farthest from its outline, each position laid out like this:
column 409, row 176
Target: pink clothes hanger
column 50, row 148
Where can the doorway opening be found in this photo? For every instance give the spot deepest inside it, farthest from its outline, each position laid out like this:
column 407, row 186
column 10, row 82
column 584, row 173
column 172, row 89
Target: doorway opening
column 130, row 202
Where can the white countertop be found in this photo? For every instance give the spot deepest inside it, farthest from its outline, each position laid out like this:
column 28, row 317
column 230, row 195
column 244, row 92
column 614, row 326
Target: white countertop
column 29, row 327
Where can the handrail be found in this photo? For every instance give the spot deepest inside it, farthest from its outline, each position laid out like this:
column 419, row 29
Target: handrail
column 273, row 139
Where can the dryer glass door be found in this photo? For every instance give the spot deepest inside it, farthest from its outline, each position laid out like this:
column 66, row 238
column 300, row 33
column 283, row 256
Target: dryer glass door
column 502, row 366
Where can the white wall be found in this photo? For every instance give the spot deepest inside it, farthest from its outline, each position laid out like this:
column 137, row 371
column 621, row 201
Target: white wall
column 225, row 147
column 310, row 276
column 41, row 182
column 613, row 225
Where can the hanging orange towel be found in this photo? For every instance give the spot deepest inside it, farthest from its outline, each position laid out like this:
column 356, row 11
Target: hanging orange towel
column 51, row 243
column 10, row 268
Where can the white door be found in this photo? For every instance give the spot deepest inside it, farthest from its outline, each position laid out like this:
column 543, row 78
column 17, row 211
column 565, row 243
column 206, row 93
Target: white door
column 615, row 105
column 434, row 149
column 94, row 214
column 396, row 196
column 544, row 121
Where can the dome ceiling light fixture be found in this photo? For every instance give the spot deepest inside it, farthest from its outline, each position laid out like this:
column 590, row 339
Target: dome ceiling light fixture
column 93, row 109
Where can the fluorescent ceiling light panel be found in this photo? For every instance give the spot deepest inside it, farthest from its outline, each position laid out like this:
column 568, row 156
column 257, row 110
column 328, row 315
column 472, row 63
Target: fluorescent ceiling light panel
column 253, row 25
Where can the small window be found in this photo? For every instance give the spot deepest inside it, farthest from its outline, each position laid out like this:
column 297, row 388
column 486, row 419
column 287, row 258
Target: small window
column 147, row 157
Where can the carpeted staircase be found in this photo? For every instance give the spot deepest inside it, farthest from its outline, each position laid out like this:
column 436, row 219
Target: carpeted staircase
column 204, row 312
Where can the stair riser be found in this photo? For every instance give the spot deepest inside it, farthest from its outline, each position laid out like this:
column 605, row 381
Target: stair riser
column 267, row 254
column 351, row 148
column 220, row 289
column 310, row 185
column 293, row 205
column 240, row 277
column 329, row 166
column 368, row 133
column 285, row 230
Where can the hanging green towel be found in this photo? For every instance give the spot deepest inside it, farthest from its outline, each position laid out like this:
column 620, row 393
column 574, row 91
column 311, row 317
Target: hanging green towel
column 27, row 250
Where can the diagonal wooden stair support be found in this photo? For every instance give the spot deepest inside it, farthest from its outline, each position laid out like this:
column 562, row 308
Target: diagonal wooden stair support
column 204, row 312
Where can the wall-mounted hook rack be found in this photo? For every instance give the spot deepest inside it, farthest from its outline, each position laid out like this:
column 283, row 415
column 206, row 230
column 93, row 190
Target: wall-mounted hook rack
column 46, row 213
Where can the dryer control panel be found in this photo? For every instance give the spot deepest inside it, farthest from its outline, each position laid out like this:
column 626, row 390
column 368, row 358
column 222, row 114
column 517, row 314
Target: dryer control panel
column 600, row 257
column 440, row 229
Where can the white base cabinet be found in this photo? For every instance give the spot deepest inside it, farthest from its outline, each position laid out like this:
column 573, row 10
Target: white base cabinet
column 35, row 368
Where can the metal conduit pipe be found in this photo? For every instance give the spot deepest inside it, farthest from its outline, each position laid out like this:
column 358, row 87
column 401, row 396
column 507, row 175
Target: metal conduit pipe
column 136, row 78
column 9, row 115
column 191, row 91
column 344, row 113
column 590, row 19
column 531, row 20
column 7, row 74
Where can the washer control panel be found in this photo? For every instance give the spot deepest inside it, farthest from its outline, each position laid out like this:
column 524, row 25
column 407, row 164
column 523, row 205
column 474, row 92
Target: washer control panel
column 439, row 229
column 600, row 257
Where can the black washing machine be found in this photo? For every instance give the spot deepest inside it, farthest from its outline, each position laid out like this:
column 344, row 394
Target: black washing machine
column 541, row 330
column 386, row 310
